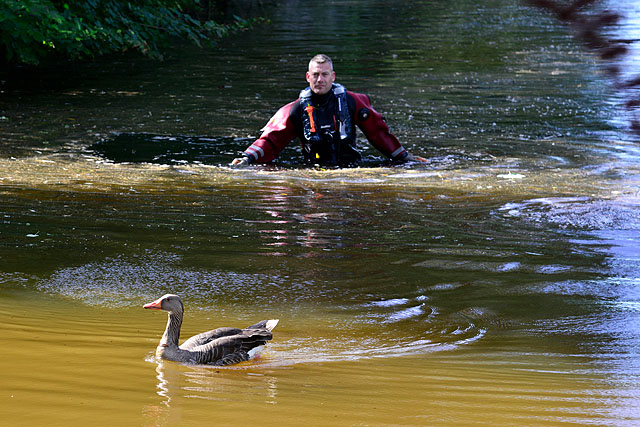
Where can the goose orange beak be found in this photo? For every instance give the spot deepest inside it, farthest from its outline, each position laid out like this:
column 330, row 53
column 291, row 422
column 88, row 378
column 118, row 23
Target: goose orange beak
column 156, row 305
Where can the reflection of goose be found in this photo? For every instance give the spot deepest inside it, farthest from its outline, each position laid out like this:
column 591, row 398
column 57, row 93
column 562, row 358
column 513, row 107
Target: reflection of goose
column 222, row 346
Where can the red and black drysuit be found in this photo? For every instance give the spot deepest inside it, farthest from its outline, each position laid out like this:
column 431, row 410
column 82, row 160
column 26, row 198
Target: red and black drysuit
column 327, row 134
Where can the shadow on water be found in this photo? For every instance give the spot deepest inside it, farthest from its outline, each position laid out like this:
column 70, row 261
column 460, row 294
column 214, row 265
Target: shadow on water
column 169, row 149
column 210, row 150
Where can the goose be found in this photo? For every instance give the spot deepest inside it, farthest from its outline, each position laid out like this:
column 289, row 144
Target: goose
column 220, row 347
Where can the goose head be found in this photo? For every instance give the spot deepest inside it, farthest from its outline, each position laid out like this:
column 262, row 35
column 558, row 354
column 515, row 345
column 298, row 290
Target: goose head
column 169, row 302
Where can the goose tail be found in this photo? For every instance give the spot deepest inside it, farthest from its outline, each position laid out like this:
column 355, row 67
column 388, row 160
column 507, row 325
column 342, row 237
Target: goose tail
column 265, row 324
column 271, row 324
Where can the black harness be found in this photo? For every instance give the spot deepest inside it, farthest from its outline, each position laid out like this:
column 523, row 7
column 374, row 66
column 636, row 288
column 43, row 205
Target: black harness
column 329, row 135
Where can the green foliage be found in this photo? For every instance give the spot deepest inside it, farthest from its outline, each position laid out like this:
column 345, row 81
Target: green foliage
column 31, row 30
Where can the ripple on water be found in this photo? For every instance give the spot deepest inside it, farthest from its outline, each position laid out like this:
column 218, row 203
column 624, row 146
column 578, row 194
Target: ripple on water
column 577, row 212
column 127, row 281
column 378, row 328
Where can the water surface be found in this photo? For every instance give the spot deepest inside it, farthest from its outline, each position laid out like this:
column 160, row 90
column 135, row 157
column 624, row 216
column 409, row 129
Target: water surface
column 494, row 285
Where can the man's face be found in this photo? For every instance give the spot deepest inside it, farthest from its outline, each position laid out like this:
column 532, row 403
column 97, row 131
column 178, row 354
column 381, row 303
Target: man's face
column 320, row 77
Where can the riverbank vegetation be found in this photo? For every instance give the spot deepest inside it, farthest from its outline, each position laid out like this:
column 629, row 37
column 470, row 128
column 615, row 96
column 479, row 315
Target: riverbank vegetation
column 32, row 31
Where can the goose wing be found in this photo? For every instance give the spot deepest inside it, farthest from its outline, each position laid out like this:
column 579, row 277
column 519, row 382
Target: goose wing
column 207, row 337
column 232, row 348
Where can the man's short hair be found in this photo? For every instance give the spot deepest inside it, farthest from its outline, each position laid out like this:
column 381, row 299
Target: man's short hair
column 321, row 58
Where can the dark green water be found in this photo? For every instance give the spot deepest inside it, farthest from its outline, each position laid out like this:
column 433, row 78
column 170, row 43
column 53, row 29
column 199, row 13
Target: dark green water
column 495, row 285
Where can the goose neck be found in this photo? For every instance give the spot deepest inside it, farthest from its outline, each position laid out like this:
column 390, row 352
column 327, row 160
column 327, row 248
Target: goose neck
column 171, row 335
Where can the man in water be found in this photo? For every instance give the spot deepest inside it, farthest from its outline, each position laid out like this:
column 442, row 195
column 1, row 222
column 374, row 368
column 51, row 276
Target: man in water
column 324, row 119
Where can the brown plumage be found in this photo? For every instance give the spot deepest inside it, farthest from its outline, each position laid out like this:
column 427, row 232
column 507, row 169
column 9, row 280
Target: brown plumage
column 222, row 346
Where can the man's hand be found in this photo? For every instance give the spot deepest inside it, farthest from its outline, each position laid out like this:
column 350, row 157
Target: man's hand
column 240, row 162
column 411, row 158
